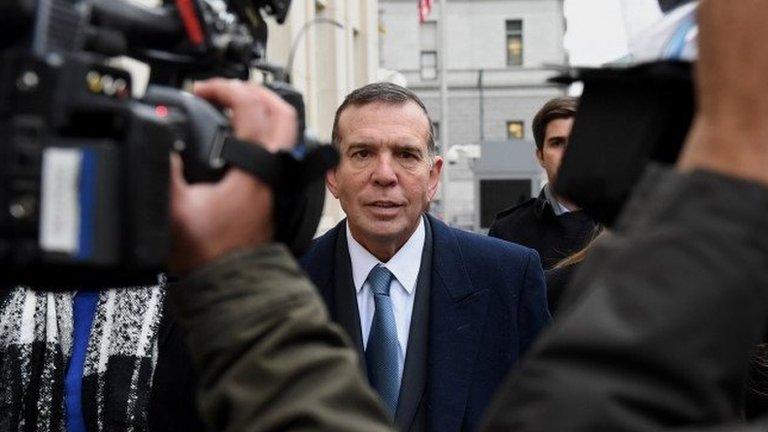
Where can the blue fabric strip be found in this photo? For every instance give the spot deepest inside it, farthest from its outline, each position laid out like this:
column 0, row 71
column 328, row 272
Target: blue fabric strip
column 83, row 311
column 87, row 198
column 677, row 43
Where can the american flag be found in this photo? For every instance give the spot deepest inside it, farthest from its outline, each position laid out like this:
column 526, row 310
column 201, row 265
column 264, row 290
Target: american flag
column 425, row 6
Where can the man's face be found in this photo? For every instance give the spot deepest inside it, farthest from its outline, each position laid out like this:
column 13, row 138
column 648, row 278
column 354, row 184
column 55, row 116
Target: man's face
column 385, row 179
column 556, row 139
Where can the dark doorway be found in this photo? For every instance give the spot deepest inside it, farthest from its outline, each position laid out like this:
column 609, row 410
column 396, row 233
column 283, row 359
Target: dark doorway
column 497, row 195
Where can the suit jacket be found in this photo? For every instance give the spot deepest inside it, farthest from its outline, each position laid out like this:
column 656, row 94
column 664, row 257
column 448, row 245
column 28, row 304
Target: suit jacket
column 486, row 304
column 535, row 225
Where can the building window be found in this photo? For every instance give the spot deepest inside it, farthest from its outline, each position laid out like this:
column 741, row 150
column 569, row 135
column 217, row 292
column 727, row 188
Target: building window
column 515, row 129
column 428, row 36
column 514, row 42
column 429, row 65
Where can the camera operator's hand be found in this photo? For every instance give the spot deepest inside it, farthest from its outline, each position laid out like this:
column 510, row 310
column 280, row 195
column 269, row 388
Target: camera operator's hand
column 210, row 220
column 257, row 114
column 730, row 134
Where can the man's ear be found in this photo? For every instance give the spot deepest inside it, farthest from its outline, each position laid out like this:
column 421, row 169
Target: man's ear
column 540, row 156
column 330, row 181
column 434, row 176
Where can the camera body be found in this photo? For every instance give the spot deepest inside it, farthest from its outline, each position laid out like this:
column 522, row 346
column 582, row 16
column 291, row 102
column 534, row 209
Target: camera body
column 627, row 118
column 84, row 169
column 631, row 115
column 84, row 165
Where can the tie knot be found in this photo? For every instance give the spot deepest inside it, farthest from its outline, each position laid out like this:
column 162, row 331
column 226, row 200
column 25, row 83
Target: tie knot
column 380, row 279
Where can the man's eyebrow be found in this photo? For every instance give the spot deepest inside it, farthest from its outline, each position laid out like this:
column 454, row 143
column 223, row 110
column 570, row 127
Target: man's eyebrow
column 359, row 145
column 408, row 147
column 398, row 147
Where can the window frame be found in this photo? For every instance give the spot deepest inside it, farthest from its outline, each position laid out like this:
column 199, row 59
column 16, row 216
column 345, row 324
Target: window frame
column 514, row 29
column 521, row 123
column 422, row 68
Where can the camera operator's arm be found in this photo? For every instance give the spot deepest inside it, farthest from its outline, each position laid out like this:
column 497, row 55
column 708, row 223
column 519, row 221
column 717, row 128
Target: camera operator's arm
column 269, row 357
column 665, row 314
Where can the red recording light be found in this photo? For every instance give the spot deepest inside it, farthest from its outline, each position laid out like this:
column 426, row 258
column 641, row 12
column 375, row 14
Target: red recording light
column 161, row 111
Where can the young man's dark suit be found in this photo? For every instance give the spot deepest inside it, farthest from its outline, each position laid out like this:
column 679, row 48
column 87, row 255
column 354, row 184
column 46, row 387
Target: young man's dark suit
column 479, row 304
column 535, row 225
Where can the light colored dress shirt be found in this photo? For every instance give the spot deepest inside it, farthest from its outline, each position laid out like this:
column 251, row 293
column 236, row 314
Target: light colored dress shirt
column 404, row 265
column 557, row 207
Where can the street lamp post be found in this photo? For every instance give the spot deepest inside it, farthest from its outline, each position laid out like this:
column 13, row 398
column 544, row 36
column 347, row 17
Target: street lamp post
column 444, row 141
column 297, row 39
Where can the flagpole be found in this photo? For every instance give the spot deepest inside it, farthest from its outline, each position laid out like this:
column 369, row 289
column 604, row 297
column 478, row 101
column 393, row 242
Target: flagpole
column 444, row 142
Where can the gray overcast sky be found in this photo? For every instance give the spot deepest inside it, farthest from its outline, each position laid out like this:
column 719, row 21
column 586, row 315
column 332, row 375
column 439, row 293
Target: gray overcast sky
column 598, row 29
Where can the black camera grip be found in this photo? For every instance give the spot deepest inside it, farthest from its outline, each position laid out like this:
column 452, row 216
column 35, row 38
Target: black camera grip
column 253, row 158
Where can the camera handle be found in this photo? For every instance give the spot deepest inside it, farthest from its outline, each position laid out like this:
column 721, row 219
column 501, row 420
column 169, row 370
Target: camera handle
column 298, row 185
column 278, row 170
column 208, row 147
column 254, row 159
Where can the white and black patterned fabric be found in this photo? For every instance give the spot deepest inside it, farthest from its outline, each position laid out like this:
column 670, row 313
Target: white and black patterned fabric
column 35, row 346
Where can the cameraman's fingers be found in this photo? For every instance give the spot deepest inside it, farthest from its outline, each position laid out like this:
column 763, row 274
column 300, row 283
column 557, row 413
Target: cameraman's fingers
column 237, row 181
column 256, row 202
column 282, row 120
column 257, row 114
column 220, row 91
column 262, row 116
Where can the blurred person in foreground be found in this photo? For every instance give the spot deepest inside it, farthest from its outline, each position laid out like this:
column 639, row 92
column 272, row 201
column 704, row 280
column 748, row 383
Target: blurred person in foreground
column 661, row 320
column 550, row 224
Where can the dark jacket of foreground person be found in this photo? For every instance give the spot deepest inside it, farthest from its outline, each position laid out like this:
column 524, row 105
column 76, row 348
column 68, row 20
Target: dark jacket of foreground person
column 654, row 335
column 534, row 224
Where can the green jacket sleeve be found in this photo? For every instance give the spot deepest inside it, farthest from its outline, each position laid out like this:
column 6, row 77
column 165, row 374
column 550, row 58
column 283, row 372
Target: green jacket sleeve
column 269, row 357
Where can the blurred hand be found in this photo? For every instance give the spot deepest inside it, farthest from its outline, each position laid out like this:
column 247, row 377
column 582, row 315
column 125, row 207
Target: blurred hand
column 730, row 133
column 210, row 220
column 255, row 112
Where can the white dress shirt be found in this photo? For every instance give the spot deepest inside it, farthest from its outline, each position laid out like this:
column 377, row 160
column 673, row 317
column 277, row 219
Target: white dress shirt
column 557, row 207
column 404, row 265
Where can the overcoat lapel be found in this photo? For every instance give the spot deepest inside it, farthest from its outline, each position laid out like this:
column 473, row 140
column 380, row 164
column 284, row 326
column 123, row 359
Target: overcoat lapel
column 411, row 414
column 457, row 318
column 345, row 299
column 330, row 269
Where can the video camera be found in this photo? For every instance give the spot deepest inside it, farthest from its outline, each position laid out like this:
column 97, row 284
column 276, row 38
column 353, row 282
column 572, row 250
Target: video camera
column 84, row 164
column 631, row 115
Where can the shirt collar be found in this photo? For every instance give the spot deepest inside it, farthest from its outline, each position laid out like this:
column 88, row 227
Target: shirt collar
column 404, row 265
column 557, row 207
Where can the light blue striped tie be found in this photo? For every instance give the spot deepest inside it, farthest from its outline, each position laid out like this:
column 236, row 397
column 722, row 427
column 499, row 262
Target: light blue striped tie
column 381, row 352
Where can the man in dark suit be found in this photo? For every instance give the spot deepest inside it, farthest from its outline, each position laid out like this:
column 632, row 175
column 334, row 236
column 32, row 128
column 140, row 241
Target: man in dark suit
column 548, row 223
column 438, row 315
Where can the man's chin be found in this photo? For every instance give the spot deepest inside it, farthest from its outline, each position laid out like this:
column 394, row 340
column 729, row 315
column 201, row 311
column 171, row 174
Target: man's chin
column 382, row 231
